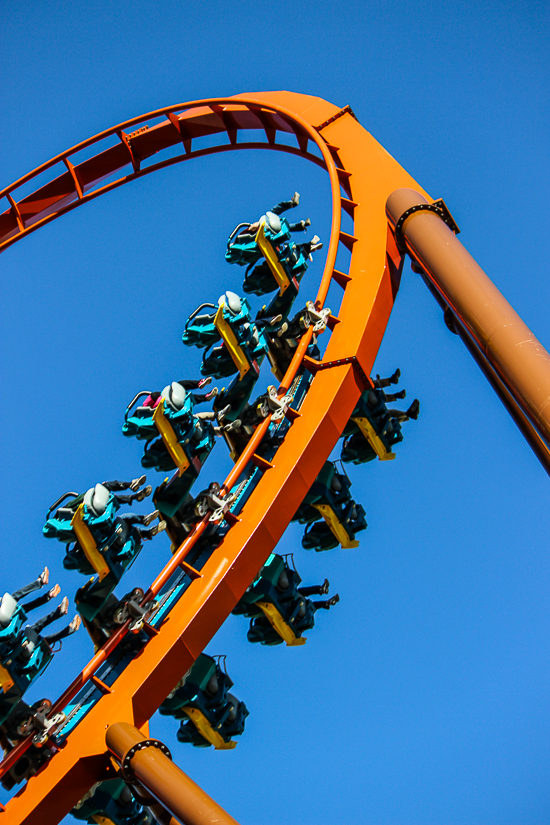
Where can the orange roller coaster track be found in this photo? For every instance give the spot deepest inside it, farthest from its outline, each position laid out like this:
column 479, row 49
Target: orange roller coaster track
column 367, row 175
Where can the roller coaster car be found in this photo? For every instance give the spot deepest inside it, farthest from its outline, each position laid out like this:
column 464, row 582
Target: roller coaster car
column 238, row 432
column 330, row 492
column 283, row 268
column 325, row 535
column 112, row 803
column 282, row 343
column 274, row 315
column 23, row 720
column 242, row 247
column 259, row 280
column 203, row 330
column 235, row 397
column 177, row 404
column 241, row 352
column 104, row 543
column 20, row 667
column 184, row 444
column 279, row 613
column 186, row 509
column 211, row 715
column 12, row 618
column 103, row 613
column 371, row 430
column 61, row 525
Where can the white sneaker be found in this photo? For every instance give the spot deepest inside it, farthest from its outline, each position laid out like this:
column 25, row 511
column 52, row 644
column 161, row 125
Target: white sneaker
column 315, row 244
column 144, row 493
column 158, row 528
column 136, row 483
column 75, row 624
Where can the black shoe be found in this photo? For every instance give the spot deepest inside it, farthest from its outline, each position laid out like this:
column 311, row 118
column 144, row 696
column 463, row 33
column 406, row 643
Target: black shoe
column 414, row 409
column 323, row 590
column 394, row 379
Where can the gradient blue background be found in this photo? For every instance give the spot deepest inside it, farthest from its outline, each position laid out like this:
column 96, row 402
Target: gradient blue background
column 423, row 697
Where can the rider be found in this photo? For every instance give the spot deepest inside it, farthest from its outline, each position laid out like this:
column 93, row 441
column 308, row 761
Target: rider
column 153, row 398
column 249, row 234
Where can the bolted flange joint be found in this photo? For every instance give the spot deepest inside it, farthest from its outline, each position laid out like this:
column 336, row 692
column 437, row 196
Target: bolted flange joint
column 438, row 207
column 126, row 766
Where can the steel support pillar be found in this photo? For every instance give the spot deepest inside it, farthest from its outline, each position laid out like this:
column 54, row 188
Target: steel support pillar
column 147, row 763
column 519, row 360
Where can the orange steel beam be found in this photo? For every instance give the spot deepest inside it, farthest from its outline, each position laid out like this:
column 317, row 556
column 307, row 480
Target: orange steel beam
column 367, row 174
column 513, row 352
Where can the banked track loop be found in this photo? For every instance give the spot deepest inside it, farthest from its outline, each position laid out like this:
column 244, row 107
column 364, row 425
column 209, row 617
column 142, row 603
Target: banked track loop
column 367, row 174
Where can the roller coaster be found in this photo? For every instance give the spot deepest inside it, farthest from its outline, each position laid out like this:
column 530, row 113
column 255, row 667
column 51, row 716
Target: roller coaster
column 89, row 751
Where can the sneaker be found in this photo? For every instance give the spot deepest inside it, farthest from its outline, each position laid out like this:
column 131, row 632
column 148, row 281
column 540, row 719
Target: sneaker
column 315, row 243
column 144, row 493
column 55, row 591
column 414, row 409
column 223, row 413
column 295, row 199
column 205, row 416
column 324, row 588
column 158, row 528
column 394, row 379
column 151, row 517
column 44, row 577
column 234, row 425
column 307, row 222
column 204, row 382
column 136, row 483
column 75, row 624
column 212, row 394
column 63, row 608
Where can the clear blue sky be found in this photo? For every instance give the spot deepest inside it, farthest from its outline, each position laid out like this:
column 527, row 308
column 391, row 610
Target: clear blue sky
column 423, row 697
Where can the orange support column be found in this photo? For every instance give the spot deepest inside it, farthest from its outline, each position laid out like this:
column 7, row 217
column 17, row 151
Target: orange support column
column 147, row 762
column 504, row 340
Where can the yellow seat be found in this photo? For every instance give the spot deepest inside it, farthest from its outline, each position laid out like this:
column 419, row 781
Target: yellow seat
column 374, row 440
column 336, row 526
column 88, row 544
column 205, row 729
column 6, row 682
column 272, row 260
column 279, row 625
column 170, row 439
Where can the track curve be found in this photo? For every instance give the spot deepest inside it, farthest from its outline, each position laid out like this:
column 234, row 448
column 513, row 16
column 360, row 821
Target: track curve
column 360, row 166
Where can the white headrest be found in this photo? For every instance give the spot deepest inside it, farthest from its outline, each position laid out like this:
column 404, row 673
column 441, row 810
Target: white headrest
column 96, row 499
column 174, row 395
column 231, row 301
column 273, row 221
column 8, row 606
